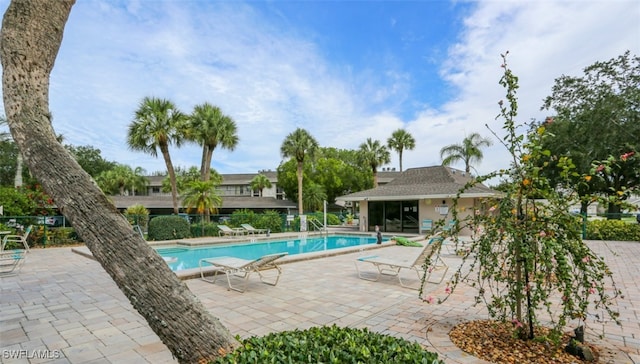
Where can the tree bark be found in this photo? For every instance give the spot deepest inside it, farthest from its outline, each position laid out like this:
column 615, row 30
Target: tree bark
column 299, row 175
column 31, row 36
column 164, row 149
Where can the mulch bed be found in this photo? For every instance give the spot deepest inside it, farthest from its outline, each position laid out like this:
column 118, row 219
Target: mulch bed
column 494, row 341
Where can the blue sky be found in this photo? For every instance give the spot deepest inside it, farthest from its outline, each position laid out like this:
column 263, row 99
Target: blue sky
column 343, row 70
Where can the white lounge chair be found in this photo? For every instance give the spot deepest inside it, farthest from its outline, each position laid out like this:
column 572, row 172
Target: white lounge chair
column 243, row 268
column 251, row 230
column 18, row 239
column 391, row 266
column 11, row 261
column 224, row 230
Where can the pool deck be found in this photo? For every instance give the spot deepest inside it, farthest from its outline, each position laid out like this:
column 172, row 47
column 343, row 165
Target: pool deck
column 64, row 306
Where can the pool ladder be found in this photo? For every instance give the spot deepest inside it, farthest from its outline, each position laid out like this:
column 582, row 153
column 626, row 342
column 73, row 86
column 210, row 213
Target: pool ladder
column 318, row 226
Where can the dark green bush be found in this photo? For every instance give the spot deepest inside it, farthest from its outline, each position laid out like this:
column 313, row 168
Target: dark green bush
column 329, row 344
column 168, row 227
column 332, row 219
column 271, row 220
column 243, row 216
column 210, row 229
column 612, row 230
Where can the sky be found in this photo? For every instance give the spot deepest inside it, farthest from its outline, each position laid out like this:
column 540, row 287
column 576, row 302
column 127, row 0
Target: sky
column 344, row 71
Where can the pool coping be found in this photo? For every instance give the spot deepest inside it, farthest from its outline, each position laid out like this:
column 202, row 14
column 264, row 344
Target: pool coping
column 208, row 271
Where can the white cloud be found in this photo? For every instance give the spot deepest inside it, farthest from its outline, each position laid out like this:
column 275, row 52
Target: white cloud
column 271, row 79
column 545, row 39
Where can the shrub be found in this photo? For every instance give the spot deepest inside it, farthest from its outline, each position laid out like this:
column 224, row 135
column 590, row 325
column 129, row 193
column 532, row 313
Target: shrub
column 58, row 236
column 209, row 229
column 168, row 227
column 242, row 216
column 137, row 215
column 271, row 220
column 328, row 344
column 612, row 230
column 332, row 219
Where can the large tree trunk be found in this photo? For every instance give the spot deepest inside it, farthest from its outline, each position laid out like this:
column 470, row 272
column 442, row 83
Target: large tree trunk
column 30, row 40
column 172, row 177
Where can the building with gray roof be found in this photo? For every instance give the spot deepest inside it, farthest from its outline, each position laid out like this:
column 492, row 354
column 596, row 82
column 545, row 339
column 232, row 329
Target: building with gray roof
column 415, row 197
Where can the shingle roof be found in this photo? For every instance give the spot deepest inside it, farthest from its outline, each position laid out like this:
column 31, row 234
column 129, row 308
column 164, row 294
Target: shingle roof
column 421, row 183
column 162, row 202
column 227, row 179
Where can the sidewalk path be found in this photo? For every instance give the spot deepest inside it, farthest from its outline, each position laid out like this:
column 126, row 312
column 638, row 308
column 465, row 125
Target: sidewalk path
column 64, row 307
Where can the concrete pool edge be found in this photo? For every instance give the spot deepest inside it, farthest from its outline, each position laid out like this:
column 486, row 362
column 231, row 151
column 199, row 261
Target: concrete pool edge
column 214, row 240
column 195, row 272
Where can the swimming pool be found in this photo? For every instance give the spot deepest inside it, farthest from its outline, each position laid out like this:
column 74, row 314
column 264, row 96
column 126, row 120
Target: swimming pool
column 189, row 257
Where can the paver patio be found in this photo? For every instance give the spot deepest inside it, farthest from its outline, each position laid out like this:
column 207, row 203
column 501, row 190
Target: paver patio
column 64, row 307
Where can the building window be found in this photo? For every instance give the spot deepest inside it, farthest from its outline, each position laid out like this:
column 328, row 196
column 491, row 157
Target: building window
column 394, row 216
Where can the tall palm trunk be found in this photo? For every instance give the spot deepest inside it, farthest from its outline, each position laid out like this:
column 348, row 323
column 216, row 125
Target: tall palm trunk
column 172, row 177
column 205, row 174
column 299, row 174
column 205, row 165
column 29, row 42
column 375, row 176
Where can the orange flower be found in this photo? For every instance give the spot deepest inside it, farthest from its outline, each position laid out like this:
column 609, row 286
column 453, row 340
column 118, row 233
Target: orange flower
column 525, row 157
column 526, row 182
column 587, row 178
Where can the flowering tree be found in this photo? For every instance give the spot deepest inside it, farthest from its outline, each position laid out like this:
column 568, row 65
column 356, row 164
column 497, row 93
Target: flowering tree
column 527, row 257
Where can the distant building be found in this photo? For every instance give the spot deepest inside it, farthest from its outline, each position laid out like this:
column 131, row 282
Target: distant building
column 235, row 191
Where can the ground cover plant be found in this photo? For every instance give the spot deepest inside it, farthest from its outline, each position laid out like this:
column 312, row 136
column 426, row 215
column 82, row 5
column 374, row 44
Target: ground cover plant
column 527, row 259
column 329, row 344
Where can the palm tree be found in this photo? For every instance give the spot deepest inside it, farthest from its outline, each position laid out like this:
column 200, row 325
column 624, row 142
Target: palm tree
column 183, row 178
column 116, row 179
column 314, row 197
column 158, row 123
column 374, row 154
column 138, row 180
column 399, row 141
column 209, row 127
column 260, row 182
column 298, row 145
column 202, row 196
column 468, row 152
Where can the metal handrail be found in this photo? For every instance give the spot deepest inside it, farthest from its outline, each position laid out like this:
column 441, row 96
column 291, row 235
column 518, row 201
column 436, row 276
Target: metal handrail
column 317, row 226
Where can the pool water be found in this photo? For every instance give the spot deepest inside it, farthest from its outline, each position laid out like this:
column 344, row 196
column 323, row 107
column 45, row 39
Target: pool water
column 189, row 257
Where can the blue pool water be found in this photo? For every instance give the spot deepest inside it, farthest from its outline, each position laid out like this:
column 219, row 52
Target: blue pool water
column 189, row 257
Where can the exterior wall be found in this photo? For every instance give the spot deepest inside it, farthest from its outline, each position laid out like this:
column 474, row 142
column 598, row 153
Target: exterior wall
column 363, row 215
